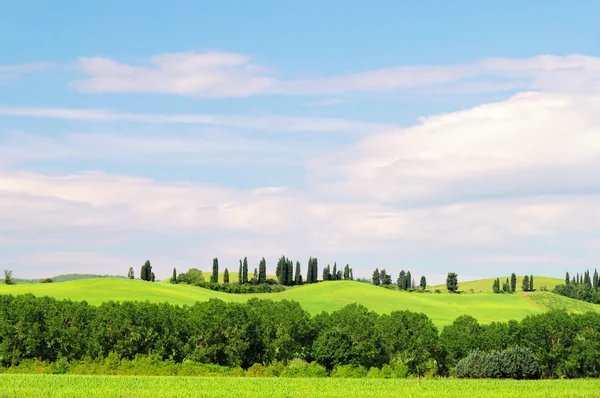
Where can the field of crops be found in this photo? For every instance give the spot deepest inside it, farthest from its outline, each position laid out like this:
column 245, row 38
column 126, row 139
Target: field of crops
column 146, row 386
column 442, row 308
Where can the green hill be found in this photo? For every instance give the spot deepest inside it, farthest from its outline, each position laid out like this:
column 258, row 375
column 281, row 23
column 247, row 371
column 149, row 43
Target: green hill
column 324, row 296
column 485, row 285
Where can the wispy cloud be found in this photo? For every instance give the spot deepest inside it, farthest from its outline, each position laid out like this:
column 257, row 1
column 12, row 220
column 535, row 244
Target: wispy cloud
column 263, row 123
column 327, row 102
column 215, row 74
column 13, row 71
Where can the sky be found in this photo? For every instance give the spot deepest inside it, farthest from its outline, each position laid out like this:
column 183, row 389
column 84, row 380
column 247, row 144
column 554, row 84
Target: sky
column 433, row 136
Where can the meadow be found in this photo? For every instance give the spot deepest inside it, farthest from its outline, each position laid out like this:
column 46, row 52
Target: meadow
column 442, row 308
column 147, row 386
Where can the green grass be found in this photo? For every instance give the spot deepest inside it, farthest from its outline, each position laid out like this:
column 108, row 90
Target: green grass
column 485, row 285
column 148, row 386
column 325, row 296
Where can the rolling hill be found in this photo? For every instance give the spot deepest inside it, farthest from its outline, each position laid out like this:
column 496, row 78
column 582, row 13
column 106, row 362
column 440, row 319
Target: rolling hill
column 325, row 296
column 485, row 285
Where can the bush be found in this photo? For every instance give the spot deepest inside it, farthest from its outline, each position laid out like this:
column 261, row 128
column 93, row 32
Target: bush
column 300, row 368
column 348, row 372
column 512, row 363
column 473, row 365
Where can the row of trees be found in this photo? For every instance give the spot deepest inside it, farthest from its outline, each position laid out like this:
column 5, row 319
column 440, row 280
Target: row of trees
column 404, row 281
column 263, row 332
column 511, row 287
column 581, row 287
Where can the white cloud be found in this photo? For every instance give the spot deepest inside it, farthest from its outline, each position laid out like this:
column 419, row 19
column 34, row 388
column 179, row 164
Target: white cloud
column 269, row 123
column 13, row 71
column 215, row 74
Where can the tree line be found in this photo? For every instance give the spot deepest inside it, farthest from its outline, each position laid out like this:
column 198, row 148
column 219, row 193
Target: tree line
column 511, row 287
column 266, row 332
column 581, row 287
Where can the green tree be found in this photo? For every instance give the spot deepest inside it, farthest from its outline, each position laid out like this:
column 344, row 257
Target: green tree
column 215, row 271
column 240, row 274
column 334, row 275
column 513, row 282
column 567, row 279
column 346, row 272
column 245, row 271
column 525, row 283
column 226, row 275
column 351, row 274
column 7, row 276
column 409, row 281
column 131, row 274
column 506, row 286
column 384, row 278
column 496, row 286
column 262, row 271
column 174, row 277
column 423, row 283
column 595, row 285
column 401, row 281
column 146, row 272
column 531, row 283
column 152, row 277
column 452, row 282
column 298, row 276
column 460, row 338
column 376, row 280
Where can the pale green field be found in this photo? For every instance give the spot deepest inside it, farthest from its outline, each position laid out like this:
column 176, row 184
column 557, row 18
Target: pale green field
column 147, row 386
column 325, row 296
column 485, row 285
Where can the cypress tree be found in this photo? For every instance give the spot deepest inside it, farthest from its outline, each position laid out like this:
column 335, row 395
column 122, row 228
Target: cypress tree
column 347, row 272
column 152, row 277
column 351, row 274
column 525, row 283
column 496, row 286
column 531, row 283
column 315, row 270
column 423, row 283
column 577, row 280
column 587, row 281
column 309, row 271
column 596, row 279
column 334, row 271
column 567, row 279
column 255, row 276
column 130, row 274
column 226, row 275
column 240, row 274
column 289, row 272
column 174, row 278
column 376, row 280
column 262, row 271
column 280, row 271
column 298, row 276
column 215, row 271
column 409, row 281
column 326, row 273
column 401, row 280
column 146, row 272
column 513, row 282
column 245, row 271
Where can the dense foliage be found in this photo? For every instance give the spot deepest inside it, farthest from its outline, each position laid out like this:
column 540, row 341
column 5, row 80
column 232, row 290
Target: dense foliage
column 266, row 332
column 581, row 287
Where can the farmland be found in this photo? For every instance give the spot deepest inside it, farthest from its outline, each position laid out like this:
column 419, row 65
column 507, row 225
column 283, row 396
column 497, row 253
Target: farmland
column 442, row 308
column 148, row 386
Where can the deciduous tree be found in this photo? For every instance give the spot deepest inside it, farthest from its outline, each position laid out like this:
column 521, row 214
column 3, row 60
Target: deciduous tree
column 452, row 282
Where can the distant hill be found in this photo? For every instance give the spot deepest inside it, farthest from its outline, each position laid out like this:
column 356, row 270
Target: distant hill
column 486, row 285
column 64, row 278
column 442, row 308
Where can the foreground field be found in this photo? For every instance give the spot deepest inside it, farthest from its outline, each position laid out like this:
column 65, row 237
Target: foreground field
column 442, row 308
column 147, row 386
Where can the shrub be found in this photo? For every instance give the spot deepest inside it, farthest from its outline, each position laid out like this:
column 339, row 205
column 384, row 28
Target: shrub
column 349, row 372
column 512, row 363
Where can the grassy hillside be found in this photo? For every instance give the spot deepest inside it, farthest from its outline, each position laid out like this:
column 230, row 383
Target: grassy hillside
column 485, row 285
column 324, row 296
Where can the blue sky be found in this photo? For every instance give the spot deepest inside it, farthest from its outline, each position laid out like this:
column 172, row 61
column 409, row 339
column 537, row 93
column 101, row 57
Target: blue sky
column 414, row 136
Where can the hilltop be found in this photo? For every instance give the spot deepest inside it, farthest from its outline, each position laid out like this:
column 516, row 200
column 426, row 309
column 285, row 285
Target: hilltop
column 485, row 285
column 324, row 296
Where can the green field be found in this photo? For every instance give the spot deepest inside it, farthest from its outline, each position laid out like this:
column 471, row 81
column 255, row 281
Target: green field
column 442, row 308
column 149, row 386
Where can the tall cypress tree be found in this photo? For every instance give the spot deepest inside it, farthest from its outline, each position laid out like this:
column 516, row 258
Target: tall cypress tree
column 496, row 286
column 240, row 274
column 376, row 280
column 280, row 271
column 347, row 272
column 409, row 281
column 351, row 274
column 513, row 282
column 334, row 271
column 596, row 279
column 309, row 271
column 298, row 276
column 401, row 281
column 245, row 271
column 289, row 281
column 423, row 283
column 226, row 275
column 567, row 279
column 262, row 271
column 174, row 278
column 215, row 271
column 525, row 283
column 531, row 283
column 146, row 272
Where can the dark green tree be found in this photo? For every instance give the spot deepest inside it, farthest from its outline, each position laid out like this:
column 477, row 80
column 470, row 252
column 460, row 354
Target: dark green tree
column 531, row 283
column 376, row 280
column 410, row 284
column 146, row 272
column 131, row 274
column 226, row 275
column 152, row 277
column 506, row 286
column 214, row 278
column 401, row 281
column 384, row 278
column 513, row 282
column 595, row 282
column 298, row 276
column 452, row 282
column 525, row 283
column 327, row 273
column 346, row 272
column 240, row 274
column 262, row 271
column 423, row 283
column 496, row 286
column 567, row 279
column 245, row 271
column 7, row 276
column 351, row 274
column 174, row 277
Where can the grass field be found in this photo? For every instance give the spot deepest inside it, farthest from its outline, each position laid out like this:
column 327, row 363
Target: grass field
column 148, row 386
column 325, row 296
